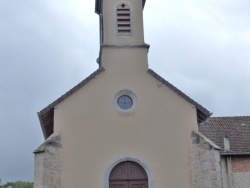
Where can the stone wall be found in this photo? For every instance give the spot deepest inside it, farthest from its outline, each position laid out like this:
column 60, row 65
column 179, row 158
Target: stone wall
column 48, row 164
column 241, row 171
column 241, row 180
column 207, row 165
column 206, row 169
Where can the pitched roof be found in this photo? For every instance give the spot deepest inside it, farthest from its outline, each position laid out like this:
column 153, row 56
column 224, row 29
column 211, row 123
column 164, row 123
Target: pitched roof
column 46, row 116
column 202, row 113
column 236, row 129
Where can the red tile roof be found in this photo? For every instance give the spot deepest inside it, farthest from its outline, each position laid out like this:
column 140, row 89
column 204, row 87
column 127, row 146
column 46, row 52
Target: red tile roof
column 236, row 129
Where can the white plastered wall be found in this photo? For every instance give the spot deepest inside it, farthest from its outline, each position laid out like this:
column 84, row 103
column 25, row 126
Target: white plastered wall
column 94, row 133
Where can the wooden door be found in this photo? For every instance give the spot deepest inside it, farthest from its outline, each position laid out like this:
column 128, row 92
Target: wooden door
column 128, row 175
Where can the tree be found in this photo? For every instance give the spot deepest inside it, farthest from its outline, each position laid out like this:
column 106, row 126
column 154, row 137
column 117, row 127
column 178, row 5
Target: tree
column 17, row 184
column 22, row 184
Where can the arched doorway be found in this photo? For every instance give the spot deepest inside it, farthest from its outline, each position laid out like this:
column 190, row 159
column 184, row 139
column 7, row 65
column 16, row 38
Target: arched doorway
column 128, row 174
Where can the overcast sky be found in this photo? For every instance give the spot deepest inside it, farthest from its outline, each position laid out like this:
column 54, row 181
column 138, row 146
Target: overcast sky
column 48, row 46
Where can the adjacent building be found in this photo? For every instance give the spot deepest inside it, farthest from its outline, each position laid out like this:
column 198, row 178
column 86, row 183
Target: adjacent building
column 232, row 135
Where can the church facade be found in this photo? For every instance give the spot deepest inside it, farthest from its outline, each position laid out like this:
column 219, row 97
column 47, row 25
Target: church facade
column 124, row 126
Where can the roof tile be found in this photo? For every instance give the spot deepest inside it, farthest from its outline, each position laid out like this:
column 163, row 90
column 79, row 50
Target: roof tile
column 235, row 128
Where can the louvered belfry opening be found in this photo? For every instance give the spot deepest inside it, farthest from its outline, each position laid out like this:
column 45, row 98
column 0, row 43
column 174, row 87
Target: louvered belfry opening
column 123, row 19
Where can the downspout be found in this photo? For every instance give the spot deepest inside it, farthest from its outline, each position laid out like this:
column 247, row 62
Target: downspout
column 99, row 60
column 229, row 171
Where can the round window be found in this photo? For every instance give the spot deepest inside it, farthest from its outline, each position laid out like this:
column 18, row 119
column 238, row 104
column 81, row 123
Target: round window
column 125, row 102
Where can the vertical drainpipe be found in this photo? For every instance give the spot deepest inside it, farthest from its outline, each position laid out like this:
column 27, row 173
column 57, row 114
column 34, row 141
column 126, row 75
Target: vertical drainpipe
column 99, row 60
column 101, row 39
column 228, row 162
column 229, row 171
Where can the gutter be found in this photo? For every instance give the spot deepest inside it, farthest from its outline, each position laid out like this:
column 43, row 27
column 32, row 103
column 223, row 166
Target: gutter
column 234, row 153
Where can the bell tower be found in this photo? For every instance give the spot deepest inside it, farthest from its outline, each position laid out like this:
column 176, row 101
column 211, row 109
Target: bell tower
column 121, row 31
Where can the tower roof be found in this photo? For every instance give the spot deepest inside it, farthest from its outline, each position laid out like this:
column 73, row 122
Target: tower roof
column 98, row 5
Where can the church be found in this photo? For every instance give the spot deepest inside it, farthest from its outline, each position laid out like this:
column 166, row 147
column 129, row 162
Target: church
column 125, row 126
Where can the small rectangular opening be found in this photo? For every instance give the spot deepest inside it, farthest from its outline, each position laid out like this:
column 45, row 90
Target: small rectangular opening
column 125, row 9
column 123, row 20
column 123, row 25
column 124, row 31
column 123, row 14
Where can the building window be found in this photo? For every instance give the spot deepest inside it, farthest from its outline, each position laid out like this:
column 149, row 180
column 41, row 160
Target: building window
column 123, row 19
column 125, row 101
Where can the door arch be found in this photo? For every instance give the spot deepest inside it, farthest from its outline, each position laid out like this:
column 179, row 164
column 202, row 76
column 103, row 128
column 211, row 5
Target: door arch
column 128, row 174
